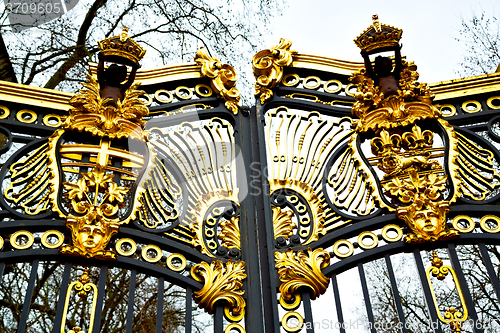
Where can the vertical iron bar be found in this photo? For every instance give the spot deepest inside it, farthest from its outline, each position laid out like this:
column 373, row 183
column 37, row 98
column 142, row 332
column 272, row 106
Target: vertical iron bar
column 27, row 298
column 189, row 310
column 218, row 319
column 2, row 267
column 395, row 293
column 366, row 296
column 61, row 301
column 336, row 295
column 435, row 324
column 159, row 308
column 100, row 298
column 490, row 269
column 131, row 300
column 306, row 301
column 455, row 263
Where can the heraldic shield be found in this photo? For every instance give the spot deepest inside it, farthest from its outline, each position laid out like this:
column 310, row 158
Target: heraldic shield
column 98, row 171
column 402, row 156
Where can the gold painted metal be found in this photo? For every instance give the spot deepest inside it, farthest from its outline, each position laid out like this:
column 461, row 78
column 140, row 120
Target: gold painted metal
column 83, row 286
column 302, row 269
column 199, row 93
column 156, row 258
column 378, row 36
column 491, row 100
column 149, row 99
column 268, row 68
column 230, row 233
column 393, row 227
column 93, row 228
column 5, row 112
column 485, row 227
column 49, row 117
column 221, row 282
column 292, row 304
column 295, row 80
column 92, row 114
column 21, row 116
column 452, row 317
column 471, row 224
column 179, row 92
column 476, row 106
column 346, row 243
column 282, row 222
column 131, row 251
column 287, row 316
column 1, row 242
column 307, row 82
column 234, row 327
column 453, row 110
column 34, row 96
column 367, row 234
column 176, row 256
column 21, row 233
column 122, row 46
column 348, row 89
column 326, row 86
column 59, row 235
column 161, row 100
column 223, row 78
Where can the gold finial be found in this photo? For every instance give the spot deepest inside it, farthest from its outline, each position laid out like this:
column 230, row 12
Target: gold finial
column 376, row 23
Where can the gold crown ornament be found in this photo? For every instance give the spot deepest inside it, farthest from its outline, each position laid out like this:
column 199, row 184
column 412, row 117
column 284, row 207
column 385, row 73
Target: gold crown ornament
column 121, row 49
column 378, row 37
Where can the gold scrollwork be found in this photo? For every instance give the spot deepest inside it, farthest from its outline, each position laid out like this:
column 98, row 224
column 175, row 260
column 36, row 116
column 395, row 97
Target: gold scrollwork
column 26, row 116
column 221, row 282
column 52, row 233
column 297, row 325
column 14, row 240
column 291, row 304
column 452, row 317
column 223, row 78
column 471, row 225
column 4, row 112
column 230, row 233
column 126, row 241
column 484, row 226
column 493, row 102
column 282, row 222
column 268, row 68
column 176, row 257
column 83, row 286
column 151, row 248
column 475, row 106
column 302, row 269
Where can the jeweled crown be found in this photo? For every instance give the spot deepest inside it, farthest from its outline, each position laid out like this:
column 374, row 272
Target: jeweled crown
column 378, row 37
column 121, row 49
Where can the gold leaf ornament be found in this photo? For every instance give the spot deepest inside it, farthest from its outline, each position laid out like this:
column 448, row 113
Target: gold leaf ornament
column 302, row 269
column 222, row 282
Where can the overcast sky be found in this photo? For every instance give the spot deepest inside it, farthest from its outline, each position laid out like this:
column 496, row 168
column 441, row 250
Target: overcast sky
column 328, row 27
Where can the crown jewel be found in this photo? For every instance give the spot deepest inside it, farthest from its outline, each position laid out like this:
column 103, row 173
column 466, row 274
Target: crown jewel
column 121, row 49
column 378, row 37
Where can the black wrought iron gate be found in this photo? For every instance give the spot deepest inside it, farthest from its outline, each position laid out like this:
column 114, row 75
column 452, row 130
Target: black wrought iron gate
column 328, row 207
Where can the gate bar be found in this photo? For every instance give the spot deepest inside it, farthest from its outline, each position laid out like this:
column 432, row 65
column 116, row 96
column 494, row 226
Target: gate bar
column 366, row 296
column 395, row 293
column 336, row 295
column 218, row 319
column 131, row 299
column 27, row 298
column 455, row 263
column 306, row 301
column 427, row 291
column 62, row 297
column 100, row 298
column 490, row 269
column 189, row 310
column 159, row 306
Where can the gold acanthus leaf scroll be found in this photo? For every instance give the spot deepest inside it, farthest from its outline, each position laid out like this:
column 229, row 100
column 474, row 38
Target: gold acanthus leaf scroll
column 223, row 78
column 91, row 113
column 268, row 68
column 222, row 282
column 302, row 269
column 283, row 223
column 230, row 233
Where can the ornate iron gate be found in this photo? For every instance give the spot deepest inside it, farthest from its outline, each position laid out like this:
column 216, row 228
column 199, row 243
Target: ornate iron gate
column 334, row 205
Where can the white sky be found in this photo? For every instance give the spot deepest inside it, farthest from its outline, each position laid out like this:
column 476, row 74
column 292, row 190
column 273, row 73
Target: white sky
column 328, row 27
